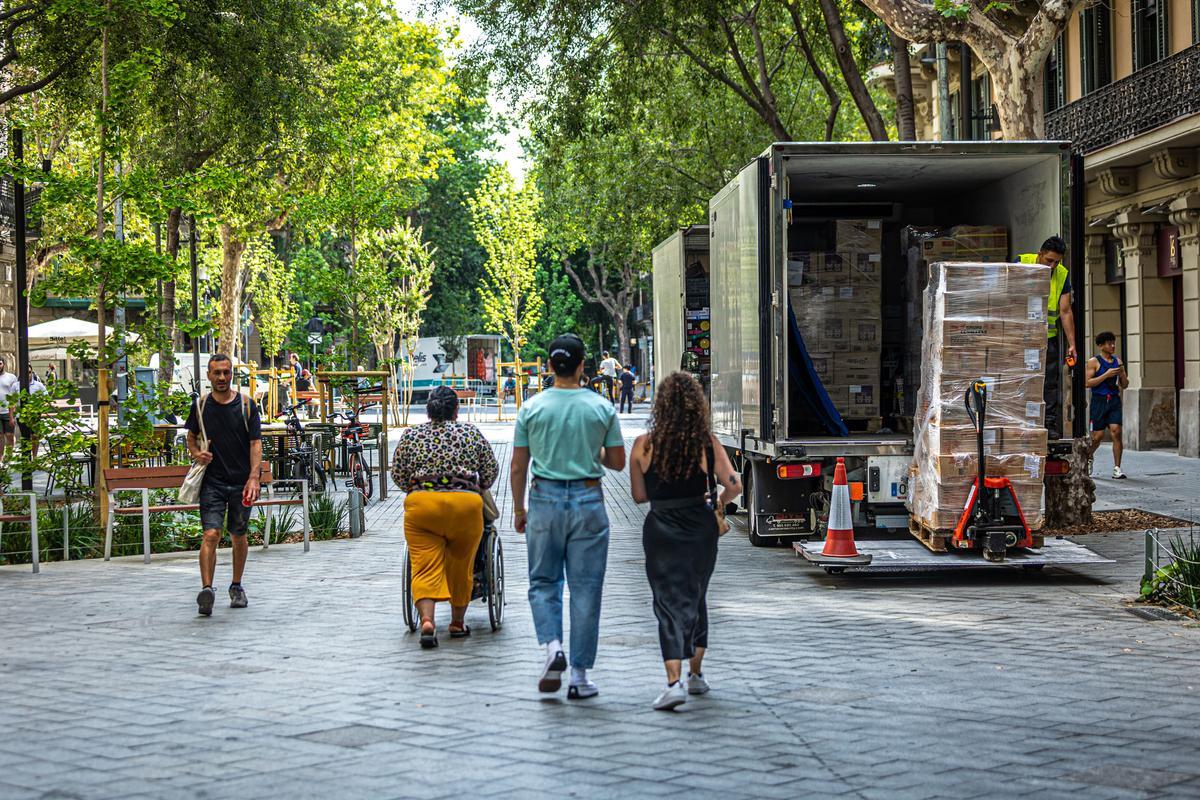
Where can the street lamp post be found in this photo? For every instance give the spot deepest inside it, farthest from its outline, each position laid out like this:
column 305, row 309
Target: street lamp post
column 18, row 137
column 195, row 303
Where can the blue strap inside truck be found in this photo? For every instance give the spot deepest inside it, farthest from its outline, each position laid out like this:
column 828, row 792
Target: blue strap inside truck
column 807, row 384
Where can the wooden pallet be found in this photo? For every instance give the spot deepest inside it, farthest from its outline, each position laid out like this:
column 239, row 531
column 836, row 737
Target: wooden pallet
column 935, row 540
column 863, row 424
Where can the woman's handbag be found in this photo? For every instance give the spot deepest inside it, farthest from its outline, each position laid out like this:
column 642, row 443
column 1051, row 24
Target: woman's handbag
column 714, row 497
column 189, row 492
column 491, row 512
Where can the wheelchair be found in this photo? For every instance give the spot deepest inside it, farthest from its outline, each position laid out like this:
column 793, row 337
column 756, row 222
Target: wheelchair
column 488, row 581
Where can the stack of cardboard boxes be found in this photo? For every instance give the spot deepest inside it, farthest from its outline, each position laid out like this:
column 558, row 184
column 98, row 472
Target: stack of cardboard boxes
column 982, row 321
column 922, row 247
column 836, row 298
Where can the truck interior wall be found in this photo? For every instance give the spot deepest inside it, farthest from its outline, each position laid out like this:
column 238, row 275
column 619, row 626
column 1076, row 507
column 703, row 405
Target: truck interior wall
column 1018, row 201
column 667, row 260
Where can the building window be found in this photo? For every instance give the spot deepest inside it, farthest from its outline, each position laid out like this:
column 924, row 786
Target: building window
column 956, row 129
column 1149, row 32
column 1056, row 81
column 981, row 108
column 1095, row 24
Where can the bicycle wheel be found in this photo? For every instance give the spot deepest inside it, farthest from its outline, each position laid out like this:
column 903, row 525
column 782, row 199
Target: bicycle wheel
column 494, row 577
column 412, row 618
column 360, row 475
column 318, row 480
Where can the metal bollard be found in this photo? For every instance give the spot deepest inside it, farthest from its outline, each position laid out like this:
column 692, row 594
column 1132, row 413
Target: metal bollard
column 354, row 509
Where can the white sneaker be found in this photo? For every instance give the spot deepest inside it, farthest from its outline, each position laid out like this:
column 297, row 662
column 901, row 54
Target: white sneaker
column 582, row 690
column 1117, row 474
column 696, row 683
column 551, row 680
column 674, row 695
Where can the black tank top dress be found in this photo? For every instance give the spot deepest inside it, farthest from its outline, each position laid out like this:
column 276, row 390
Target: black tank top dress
column 680, row 540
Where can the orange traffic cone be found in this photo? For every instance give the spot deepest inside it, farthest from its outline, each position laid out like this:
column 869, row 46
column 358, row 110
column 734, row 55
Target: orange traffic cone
column 839, row 533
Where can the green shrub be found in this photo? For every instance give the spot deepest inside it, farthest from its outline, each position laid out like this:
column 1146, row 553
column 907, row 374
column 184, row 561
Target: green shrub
column 327, row 515
column 1177, row 581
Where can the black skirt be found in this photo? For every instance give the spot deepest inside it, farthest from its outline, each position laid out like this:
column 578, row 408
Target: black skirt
column 681, row 552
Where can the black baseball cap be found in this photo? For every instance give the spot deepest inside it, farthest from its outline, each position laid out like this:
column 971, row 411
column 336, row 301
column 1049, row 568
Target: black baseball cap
column 566, row 353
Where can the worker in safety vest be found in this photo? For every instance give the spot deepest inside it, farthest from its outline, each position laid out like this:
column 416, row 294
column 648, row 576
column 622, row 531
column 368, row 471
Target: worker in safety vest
column 1058, row 309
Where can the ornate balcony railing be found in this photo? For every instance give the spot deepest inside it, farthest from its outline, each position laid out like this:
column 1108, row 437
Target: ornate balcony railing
column 1152, row 96
column 33, row 228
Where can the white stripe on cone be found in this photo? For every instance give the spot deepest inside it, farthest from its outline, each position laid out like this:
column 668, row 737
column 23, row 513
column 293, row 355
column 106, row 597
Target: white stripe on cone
column 839, row 510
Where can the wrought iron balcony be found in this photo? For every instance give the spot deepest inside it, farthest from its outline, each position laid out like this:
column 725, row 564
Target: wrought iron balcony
column 33, row 229
column 1152, row 96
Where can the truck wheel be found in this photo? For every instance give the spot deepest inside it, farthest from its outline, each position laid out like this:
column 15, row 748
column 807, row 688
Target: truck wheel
column 752, row 512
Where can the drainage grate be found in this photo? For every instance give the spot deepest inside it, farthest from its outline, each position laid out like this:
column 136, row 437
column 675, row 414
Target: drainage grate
column 1152, row 614
column 353, row 735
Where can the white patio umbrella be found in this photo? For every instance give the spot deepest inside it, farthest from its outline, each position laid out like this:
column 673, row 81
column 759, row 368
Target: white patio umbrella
column 62, row 332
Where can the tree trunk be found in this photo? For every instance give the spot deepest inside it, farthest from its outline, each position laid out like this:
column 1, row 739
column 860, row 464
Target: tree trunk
column 622, row 323
column 854, row 80
column 232, row 248
column 906, row 122
column 1017, row 94
column 835, row 99
column 166, row 307
column 1069, row 497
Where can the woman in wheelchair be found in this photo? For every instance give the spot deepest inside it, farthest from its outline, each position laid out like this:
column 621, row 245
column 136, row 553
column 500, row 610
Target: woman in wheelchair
column 443, row 465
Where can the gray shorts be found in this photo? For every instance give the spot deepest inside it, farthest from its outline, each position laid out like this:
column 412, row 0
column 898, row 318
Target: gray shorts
column 217, row 500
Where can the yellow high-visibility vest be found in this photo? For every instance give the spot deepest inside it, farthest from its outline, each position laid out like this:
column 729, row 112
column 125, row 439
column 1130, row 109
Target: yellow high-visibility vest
column 1057, row 281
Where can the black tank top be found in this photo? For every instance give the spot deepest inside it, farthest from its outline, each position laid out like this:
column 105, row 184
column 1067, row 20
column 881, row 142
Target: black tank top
column 695, row 485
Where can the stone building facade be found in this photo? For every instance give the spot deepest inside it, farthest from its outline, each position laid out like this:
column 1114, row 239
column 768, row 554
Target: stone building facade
column 1123, row 85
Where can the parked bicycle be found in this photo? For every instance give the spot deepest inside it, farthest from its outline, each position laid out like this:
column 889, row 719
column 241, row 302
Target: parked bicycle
column 356, row 462
column 303, row 459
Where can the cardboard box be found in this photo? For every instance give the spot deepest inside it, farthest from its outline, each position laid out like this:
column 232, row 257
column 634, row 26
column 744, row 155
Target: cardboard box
column 1034, row 441
column 864, row 335
column 862, row 400
column 972, row 334
column 1025, row 333
column 859, row 235
column 823, row 365
column 859, row 367
column 963, row 467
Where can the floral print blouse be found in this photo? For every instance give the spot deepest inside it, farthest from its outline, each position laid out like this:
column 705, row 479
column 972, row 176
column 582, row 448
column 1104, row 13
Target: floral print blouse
column 444, row 456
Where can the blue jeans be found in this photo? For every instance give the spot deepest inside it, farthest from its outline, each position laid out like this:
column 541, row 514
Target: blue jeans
column 567, row 532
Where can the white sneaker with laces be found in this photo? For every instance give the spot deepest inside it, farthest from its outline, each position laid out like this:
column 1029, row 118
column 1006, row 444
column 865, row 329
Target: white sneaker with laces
column 674, row 695
column 1117, row 474
column 696, row 683
column 556, row 665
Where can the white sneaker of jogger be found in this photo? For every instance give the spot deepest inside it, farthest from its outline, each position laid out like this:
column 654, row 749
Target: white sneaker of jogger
column 674, row 695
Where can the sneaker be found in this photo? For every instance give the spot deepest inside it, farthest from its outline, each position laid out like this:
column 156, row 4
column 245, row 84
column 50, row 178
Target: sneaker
column 237, row 596
column 674, row 695
column 582, row 690
column 205, row 601
column 1118, row 475
column 551, row 680
column 696, row 683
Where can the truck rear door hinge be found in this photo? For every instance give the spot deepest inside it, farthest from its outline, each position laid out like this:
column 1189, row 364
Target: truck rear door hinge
column 774, row 180
column 775, row 298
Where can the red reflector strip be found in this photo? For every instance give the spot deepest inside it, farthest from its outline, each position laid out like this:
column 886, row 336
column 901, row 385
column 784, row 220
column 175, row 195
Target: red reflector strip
column 1057, row 466
column 790, row 471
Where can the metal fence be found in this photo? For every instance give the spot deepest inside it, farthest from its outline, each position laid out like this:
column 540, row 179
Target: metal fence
column 1172, row 571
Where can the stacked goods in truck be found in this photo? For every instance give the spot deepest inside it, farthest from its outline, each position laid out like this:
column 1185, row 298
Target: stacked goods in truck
column 836, row 298
column 984, row 321
column 923, row 245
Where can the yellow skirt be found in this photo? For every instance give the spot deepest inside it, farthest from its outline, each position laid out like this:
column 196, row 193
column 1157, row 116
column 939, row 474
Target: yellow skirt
column 443, row 530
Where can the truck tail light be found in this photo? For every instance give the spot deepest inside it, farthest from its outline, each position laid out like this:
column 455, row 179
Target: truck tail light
column 787, row 472
column 1057, row 466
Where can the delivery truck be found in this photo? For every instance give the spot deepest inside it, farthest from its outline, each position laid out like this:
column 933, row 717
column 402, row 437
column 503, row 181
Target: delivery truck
column 856, row 225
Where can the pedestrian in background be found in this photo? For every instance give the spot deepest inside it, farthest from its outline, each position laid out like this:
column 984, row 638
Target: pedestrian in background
column 565, row 437
column 627, row 380
column 673, row 467
column 609, row 367
column 9, row 386
column 443, row 465
column 1107, row 379
column 35, row 387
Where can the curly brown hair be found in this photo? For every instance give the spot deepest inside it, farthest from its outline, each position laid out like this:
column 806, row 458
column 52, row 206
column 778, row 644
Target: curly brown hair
column 679, row 430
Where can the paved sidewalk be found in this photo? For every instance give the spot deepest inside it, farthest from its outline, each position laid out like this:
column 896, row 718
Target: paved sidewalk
column 998, row 684
column 1159, row 480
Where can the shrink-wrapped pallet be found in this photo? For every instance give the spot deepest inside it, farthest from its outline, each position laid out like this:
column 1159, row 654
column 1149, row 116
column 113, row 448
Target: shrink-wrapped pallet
column 982, row 321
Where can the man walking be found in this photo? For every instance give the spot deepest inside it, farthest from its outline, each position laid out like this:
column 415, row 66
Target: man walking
column 10, row 385
column 627, row 379
column 231, row 484
column 565, row 436
column 1107, row 379
column 1058, row 308
column 609, row 367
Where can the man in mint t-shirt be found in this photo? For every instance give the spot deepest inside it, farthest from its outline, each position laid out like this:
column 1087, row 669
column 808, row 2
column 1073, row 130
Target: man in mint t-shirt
column 565, row 436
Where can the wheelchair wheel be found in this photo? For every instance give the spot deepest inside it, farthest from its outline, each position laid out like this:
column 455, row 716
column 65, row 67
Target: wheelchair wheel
column 412, row 618
column 494, row 574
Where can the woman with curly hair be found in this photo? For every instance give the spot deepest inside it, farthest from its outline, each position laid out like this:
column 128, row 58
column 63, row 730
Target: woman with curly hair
column 670, row 467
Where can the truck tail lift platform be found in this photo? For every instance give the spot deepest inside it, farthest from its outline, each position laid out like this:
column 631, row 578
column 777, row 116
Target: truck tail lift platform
column 992, row 525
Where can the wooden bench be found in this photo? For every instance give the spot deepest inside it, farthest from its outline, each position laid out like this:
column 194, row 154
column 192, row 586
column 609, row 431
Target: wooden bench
column 31, row 518
column 145, row 479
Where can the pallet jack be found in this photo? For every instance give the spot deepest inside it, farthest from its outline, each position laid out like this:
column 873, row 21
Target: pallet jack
column 992, row 520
